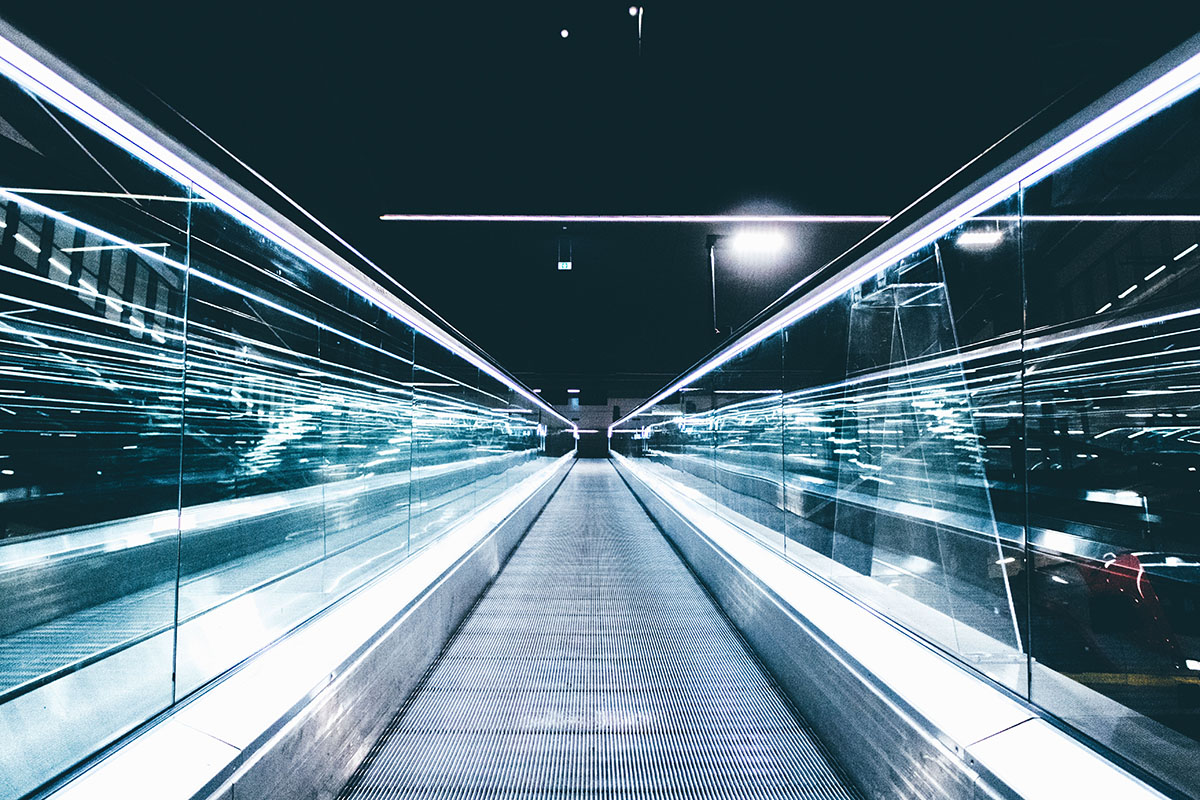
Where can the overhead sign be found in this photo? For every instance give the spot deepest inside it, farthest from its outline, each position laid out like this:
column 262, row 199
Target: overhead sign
column 564, row 265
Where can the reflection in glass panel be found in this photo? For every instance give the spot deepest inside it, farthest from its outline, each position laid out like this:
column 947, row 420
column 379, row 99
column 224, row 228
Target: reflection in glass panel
column 914, row 506
column 691, row 438
column 93, row 260
column 748, row 446
column 859, row 442
column 492, row 425
column 1111, row 386
column 366, row 434
column 253, row 467
column 444, row 431
column 520, row 437
column 810, row 474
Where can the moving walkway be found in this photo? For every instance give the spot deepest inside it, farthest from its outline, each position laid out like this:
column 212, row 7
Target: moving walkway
column 269, row 527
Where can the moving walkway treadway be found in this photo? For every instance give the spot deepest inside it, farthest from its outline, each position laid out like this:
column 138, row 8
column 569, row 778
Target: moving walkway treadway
column 596, row 664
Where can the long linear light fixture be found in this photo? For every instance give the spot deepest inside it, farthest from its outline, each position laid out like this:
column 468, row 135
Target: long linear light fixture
column 97, row 111
column 710, row 219
column 1156, row 95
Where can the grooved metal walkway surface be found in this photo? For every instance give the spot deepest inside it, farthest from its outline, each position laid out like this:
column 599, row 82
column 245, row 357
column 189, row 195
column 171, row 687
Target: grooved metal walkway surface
column 596, row 665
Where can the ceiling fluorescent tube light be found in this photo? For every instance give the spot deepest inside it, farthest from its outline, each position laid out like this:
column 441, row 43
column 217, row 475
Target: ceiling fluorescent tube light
column 703, row 219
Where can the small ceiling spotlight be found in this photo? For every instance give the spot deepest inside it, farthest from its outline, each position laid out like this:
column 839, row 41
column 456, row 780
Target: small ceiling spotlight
column 564, row 33
column 633, row 11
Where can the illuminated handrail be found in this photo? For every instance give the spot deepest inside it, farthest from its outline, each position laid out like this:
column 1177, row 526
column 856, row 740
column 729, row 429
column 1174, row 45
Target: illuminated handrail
column 1166, row 81
column 40, row 73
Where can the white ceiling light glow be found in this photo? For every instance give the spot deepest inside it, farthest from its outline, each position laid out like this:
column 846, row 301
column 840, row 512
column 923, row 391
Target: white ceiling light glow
column 758, row 242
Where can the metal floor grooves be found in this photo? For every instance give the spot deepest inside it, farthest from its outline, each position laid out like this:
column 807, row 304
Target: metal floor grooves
column 596, row 666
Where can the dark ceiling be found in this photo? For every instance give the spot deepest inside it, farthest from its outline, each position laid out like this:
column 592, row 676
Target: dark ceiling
column 357, row 109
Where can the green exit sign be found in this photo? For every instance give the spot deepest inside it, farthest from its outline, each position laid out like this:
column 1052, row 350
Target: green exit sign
column 564, row 265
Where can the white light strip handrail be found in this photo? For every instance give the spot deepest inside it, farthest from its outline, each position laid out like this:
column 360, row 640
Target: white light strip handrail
column 711, row 219
column 1159, row 93
column 166, row 198
column 36, row 76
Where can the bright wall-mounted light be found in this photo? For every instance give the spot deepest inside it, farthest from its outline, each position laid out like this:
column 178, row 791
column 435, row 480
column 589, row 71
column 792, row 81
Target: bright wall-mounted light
column 758, row 242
